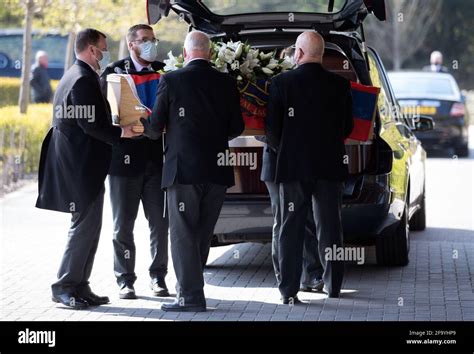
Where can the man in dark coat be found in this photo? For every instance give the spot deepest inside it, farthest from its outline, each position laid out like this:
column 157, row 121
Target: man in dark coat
column 75, row 158
column 134, row 176
column 40, row 81
column 436, row 63
column 309, row 117
column 200, row 108
column 312, row 274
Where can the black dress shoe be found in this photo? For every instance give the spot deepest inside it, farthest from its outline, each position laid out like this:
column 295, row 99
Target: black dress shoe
column 70, row 300
column 159, row 288
column 292, row 300
column 95, row 300
column 177, row 307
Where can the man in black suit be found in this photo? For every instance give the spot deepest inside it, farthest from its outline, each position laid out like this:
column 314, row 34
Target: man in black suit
column 134, row 175
column 200, row 108
column 309, row 116
column 312, row 274
column 75, row 158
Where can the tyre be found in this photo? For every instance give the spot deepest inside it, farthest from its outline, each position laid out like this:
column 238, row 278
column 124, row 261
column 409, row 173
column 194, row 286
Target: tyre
column 418, row 220
column 392, row 249
column 463, row 151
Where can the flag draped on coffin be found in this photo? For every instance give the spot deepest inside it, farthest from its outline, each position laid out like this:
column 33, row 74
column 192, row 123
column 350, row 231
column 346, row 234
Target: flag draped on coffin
column 364, row 103
column 254, row 98
column 253, row 102
column 147, row 86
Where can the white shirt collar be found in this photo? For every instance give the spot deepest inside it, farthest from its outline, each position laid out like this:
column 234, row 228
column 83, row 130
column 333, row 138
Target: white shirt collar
column 138, row 66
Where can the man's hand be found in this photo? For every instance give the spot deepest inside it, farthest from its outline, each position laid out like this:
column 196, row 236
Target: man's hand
column 132, row 131
column 148, row 130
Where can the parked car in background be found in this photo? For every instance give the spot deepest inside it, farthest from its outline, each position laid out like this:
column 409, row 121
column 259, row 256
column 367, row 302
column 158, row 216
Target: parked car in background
column 385, row 195
column 11, row 46
column 436, row 95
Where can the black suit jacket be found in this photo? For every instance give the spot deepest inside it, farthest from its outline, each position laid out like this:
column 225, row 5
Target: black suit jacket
column 76, row 153
column 137, row 152
column 200, row 108
column 309, row 116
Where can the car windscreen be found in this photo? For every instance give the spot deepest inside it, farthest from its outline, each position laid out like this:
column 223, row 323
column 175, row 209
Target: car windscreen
column 406, row 86
column 234, row 7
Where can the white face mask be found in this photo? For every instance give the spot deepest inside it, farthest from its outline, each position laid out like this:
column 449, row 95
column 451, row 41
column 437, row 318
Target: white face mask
column 104, row 61
column 148, row 51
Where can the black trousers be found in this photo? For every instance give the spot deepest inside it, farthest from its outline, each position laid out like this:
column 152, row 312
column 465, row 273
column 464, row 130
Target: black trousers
column 83, row 240
column 193, row 213
column 312, row 267
column 295, row 201
column 125, row 195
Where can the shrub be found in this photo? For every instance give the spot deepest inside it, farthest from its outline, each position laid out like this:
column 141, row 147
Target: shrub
column 21, row 136
column 10, row 90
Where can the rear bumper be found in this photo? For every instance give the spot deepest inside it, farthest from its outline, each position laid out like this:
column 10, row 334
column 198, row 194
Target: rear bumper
column 368, row 213
column 444, row 136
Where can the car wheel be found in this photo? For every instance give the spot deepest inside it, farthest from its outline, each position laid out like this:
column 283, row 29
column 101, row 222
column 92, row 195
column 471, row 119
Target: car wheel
column 392, row 249
column 418, row 220
column 463, row 151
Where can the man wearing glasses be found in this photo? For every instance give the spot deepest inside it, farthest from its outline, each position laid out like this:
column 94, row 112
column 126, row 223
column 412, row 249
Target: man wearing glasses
column 134, row 176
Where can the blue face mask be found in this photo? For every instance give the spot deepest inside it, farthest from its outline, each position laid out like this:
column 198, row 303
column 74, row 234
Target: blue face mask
column 104, row 61
column 148, row 51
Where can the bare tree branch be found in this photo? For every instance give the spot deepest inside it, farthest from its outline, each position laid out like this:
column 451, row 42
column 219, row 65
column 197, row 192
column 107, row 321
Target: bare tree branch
column 406, row 29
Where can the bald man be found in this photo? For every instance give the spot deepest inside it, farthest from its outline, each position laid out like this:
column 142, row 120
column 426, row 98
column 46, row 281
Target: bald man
column 309, row 116
column 436, row 63
column 200, row 108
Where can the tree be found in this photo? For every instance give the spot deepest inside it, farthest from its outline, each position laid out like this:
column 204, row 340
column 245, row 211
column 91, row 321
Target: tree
column 31, row 8
column 112, row 17
column 407, row 26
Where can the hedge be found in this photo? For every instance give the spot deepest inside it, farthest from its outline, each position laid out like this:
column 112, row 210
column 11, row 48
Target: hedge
column 10, row 90
column 21, row 136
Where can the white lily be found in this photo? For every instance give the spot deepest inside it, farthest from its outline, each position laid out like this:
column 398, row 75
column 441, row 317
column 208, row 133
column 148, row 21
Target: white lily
column 221, row 66
column 229, row 56
column 287, row 64
column 267, row 71
column 239, row 50
column 273, row 64
column 267, row 56
column 171, row 63
column 245, row 69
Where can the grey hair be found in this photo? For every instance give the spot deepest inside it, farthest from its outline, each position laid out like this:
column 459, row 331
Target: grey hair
column 436, row 55
column 40, row 54
column 197, row 41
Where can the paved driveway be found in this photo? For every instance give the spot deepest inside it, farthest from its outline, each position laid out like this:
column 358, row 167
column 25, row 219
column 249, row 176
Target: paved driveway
column 436, row 285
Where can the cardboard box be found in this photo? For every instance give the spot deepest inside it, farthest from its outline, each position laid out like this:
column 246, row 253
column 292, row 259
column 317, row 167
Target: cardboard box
column 123, row 99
